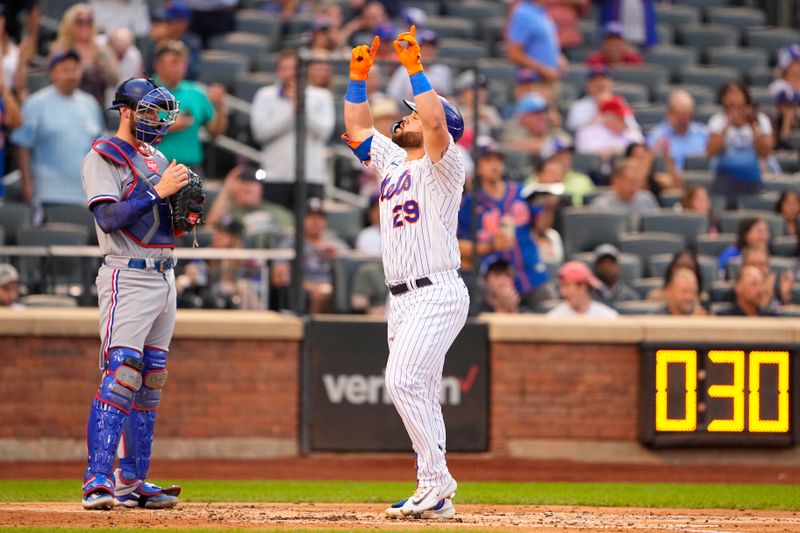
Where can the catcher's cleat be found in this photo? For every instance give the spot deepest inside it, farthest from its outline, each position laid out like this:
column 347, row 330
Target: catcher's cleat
column 444, row 510
column 138, row 493
column 98, row 493
column 425, row 498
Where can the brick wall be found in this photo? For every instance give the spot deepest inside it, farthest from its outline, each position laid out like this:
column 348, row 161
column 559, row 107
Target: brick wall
column 216, row 388
column 563, row 391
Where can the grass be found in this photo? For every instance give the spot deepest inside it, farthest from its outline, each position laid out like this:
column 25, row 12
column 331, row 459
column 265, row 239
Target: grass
column 695, row 496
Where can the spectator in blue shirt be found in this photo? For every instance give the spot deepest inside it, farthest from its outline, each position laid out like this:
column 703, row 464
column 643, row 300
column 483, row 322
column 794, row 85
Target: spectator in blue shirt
column 637, row 17
column 503, row 230
column 59, row 124
column 678, row 135
column 532, row 40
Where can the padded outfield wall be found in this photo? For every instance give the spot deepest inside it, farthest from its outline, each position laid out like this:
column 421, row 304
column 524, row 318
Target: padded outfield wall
column 242, row 385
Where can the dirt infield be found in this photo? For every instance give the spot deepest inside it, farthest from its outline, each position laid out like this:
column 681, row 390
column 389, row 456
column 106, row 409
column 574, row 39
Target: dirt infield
column 360, row 516
column 400, row 467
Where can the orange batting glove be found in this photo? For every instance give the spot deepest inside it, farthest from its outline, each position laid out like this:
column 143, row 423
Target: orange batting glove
column 362, row 59
column 408, row 52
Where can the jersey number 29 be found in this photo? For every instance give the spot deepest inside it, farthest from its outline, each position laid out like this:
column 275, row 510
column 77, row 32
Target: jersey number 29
column 405, row 212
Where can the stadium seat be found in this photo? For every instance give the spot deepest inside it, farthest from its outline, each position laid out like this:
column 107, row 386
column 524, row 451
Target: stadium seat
column 45, row 273
column 258, row 22
column 589, row 31
column 760, row 76
column 248, row 85
column 692, row 178
column 585, row 228
column 344, row 271
column 497, row 69
column 779, row 265
column 217, row 66
column 708, row 267
column 703, row 37
column 649, row 75
column 764, row 201
column 452, row 27
column 703, row 113
column 491, row 31
column 630, row 265
column 633, row 93
column 784, row 246
column 721, row 291
column 298, row 24
column 639, row 308
column 474, row 10
column 687, row 225
column 248, row 45
column 432, row 9
column 37, row 80
column 781, row 183
column 462, row 49
column 713, row 245
column 788, row 161
column 673, row 58
column 72, row 214
column 729, row 220
column 742, row 60
column 14, row 217
column 711, row 77
column 649, row 116
column 670, row 198
column 576, row 74
column 762, row 97
column 346, row 221
column 703, row 3
column 643, row 286
column 771, row 39
column 738, row 17
column 646, row 244
column 678, row 16
column 586, row 163
column 665, row 33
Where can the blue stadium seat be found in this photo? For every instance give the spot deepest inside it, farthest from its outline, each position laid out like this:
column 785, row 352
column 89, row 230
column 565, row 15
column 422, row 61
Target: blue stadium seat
column 248, row 45
column 738, row 17
column 708, row 76
column 673, row 58
column 464, row 49
column 702, row 95
column 703, row 37
column 474, row 10
column 701, row 178
column 649, row 75
column 742, row 60
column 771, row 39
column 678, row 16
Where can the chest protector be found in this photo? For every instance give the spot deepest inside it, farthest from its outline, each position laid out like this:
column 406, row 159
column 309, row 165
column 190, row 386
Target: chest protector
column 154, row 228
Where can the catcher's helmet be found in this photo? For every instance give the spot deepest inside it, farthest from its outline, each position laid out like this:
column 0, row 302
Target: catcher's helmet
column 455, row 122
column 131, row 91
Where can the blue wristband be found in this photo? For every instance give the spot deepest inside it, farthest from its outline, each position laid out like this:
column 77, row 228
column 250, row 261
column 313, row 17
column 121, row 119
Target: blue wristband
column 356, row 92
column 420, row 83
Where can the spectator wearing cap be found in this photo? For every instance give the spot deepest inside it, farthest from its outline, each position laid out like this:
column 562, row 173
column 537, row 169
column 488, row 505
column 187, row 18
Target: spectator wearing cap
column 556, row 168
column 599, row 88
column 532, row 128
column 241, row 199
column 272, row 122
column 9, row 286
column 466, row 87
column 786, row 91
column 614, row 50
column 607, row 268
column 499, row 292
column 502, row 229
column 575, row 284
column 77, row 32
column 59, row 124
column 319, row 252
column 532, row 40
column 637, row 17
column 199, row 107
column 740, row 141
column 439, row 74
column 222, row 283
column 628, row 191
column 610, row 135
column 172, row 24
column 678, row 136
column 133, row 15
column 565, row 14
column 368, row 241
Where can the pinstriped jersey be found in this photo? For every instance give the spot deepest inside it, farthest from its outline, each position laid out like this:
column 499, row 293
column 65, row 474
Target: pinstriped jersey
column 419, row 203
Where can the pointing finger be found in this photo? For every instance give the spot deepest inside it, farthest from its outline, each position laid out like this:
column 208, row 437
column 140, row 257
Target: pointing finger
column 373, row 50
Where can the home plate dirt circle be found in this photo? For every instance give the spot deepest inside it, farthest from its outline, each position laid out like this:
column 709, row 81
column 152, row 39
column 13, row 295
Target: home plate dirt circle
column 357, row 516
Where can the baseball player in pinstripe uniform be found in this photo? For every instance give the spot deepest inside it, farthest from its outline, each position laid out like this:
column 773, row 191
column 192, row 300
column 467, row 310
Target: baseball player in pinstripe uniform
column 128, row 182
column 421, row 180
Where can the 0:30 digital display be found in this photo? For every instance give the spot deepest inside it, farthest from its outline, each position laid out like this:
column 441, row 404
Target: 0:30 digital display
column 717, row 395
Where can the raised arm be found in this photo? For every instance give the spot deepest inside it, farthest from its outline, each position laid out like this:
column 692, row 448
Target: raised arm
column 429, row 106
column 357, row 114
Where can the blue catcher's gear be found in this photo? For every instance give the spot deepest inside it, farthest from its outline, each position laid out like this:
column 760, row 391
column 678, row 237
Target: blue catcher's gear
column 154, row 107
column 122, row 379
column 137, row 429
column 153, row 229
column 455, row 122
column 138, row 493
column 98, row 492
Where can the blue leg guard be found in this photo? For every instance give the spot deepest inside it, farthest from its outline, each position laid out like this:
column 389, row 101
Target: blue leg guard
column 122, row 378
column 137, row 430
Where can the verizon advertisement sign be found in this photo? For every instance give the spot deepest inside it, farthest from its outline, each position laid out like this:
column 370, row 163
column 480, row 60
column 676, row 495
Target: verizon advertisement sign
column 347, row 407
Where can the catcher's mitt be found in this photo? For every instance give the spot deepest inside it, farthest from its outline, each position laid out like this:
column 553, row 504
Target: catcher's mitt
column 188, row 204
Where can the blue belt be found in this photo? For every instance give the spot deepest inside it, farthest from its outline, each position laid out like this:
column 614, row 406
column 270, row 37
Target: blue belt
column 161, row 266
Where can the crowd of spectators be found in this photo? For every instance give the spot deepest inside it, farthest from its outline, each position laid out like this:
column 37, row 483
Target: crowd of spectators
column 525, row 160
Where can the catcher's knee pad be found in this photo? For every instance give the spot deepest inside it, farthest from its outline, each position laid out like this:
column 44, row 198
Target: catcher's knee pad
column 154, row 376
column 122, row 378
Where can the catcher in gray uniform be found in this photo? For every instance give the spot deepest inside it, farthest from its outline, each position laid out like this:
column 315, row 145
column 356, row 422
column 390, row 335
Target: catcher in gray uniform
column 129, row 184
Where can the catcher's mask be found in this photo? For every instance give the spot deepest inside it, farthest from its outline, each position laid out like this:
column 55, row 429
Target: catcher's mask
column 154, row 108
